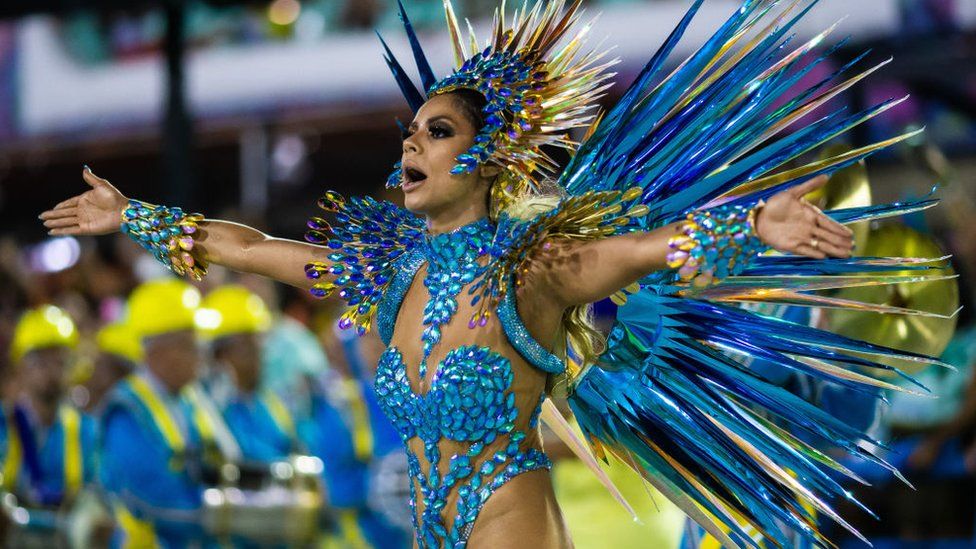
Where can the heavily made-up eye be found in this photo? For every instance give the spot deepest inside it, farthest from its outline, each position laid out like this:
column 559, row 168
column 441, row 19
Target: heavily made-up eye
column 440, row 131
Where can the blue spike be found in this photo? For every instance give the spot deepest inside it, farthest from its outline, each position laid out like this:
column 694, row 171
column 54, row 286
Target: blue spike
column 879, row 211
column 427, row 78
column 414, row 98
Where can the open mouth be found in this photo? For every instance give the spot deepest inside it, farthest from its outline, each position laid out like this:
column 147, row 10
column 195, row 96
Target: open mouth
column 412, row 176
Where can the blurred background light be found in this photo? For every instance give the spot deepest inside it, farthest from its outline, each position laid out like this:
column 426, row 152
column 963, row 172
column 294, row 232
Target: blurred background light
column 54, row 255
column 284, row 12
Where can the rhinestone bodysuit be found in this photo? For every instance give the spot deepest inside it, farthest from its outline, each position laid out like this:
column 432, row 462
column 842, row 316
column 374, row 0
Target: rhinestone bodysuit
column 469, row 402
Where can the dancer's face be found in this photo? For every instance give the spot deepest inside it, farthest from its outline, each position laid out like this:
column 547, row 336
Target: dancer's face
column 437, row 135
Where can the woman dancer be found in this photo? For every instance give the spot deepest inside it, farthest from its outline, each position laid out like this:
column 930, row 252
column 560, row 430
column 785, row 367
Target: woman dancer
column 480, row 286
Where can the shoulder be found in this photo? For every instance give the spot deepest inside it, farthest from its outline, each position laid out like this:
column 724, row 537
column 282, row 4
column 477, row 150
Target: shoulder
column 368, row 243
column 404, row 269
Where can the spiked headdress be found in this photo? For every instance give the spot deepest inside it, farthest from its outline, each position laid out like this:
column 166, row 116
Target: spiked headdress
column 537, row 82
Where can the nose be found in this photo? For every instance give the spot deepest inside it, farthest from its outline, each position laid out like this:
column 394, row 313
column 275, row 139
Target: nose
column 410, row 144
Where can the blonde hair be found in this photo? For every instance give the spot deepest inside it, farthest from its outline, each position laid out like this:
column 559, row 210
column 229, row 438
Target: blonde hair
column 578, row 342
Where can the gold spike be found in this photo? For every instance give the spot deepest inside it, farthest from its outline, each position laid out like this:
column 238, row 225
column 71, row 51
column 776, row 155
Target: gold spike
column 573, row 439
column 841, row 372
column 543, row 28
column 527, row 20
column 452, row 26
column 498, row 27
column 569, row 18
column 472, row 37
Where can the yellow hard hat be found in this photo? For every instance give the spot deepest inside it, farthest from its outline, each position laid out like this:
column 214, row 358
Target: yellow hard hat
column 118, row 338
column 232, row 309
column 41, row 328
column 162, row 306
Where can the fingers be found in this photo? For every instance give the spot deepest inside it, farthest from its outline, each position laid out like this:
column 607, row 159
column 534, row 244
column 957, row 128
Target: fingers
column 833, row 250
column 69, row 203
column 809, row 251
column 92, row 179
column 73, row 230
column 61, row 223
column 841, row 242
column 822, row 244
column 59, row 213
column 809, row 185
column 824, row 221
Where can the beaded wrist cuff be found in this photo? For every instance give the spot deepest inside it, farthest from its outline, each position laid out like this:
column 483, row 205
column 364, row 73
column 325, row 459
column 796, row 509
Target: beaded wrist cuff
column 166, row 233
column 715, row 243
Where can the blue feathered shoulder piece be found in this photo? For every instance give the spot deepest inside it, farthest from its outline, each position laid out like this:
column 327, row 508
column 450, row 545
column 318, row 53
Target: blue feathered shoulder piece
column 367, row 239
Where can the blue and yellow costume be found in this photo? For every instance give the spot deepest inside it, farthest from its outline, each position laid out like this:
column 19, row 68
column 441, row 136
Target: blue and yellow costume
column 154, row 442
column 671, row 395
column 151, row 464
column 340, row 430
column 263, row 426
column 259, row 421
column 45, row 465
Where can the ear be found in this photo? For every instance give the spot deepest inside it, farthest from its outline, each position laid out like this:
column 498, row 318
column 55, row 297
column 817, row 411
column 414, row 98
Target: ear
column 489, row 171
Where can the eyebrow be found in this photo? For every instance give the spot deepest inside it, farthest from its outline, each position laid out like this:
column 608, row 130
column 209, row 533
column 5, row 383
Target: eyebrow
column 414, row 124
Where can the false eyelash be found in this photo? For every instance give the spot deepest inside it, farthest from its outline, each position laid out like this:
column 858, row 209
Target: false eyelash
column 444, row 129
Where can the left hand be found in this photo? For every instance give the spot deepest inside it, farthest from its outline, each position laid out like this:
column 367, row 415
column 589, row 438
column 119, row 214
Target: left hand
column 792, row 225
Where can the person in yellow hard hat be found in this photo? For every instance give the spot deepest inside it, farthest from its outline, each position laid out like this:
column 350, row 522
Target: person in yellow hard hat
column 233, row 319
column 153, row 442
column 47, row 444
column 119, row 351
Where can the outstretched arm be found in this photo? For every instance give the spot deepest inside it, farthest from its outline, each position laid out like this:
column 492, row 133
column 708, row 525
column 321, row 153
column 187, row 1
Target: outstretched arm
column 583, row 272
column 235, row 246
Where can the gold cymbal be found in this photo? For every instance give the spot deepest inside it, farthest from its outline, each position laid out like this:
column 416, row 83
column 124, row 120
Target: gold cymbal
column 847, row 188
column 920, row 334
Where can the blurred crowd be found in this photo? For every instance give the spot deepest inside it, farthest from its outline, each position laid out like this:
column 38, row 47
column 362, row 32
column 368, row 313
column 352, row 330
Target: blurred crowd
column 139, row 410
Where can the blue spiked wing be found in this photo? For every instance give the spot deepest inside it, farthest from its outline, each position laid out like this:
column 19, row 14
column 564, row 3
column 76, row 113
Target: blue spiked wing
column 672, row 394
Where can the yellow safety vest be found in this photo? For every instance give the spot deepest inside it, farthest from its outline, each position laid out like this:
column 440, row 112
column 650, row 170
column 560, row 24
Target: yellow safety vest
column 349, row 535
column 280, row 414
column 165, row 422
column 139, row 533
column 160, row 414
column 72, row 458
column 362, row 434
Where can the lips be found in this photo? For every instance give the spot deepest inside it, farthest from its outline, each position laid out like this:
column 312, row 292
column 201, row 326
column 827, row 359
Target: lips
column 412, row 176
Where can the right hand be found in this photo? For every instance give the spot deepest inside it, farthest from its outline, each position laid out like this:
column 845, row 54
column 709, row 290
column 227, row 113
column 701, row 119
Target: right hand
column 97, row 211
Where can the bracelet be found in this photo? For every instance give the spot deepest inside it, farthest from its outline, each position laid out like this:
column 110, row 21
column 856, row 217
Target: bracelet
column 166, row 233
column 715, row 243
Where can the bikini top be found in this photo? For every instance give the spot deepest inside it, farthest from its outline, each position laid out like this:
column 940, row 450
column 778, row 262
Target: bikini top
column 508, row 316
